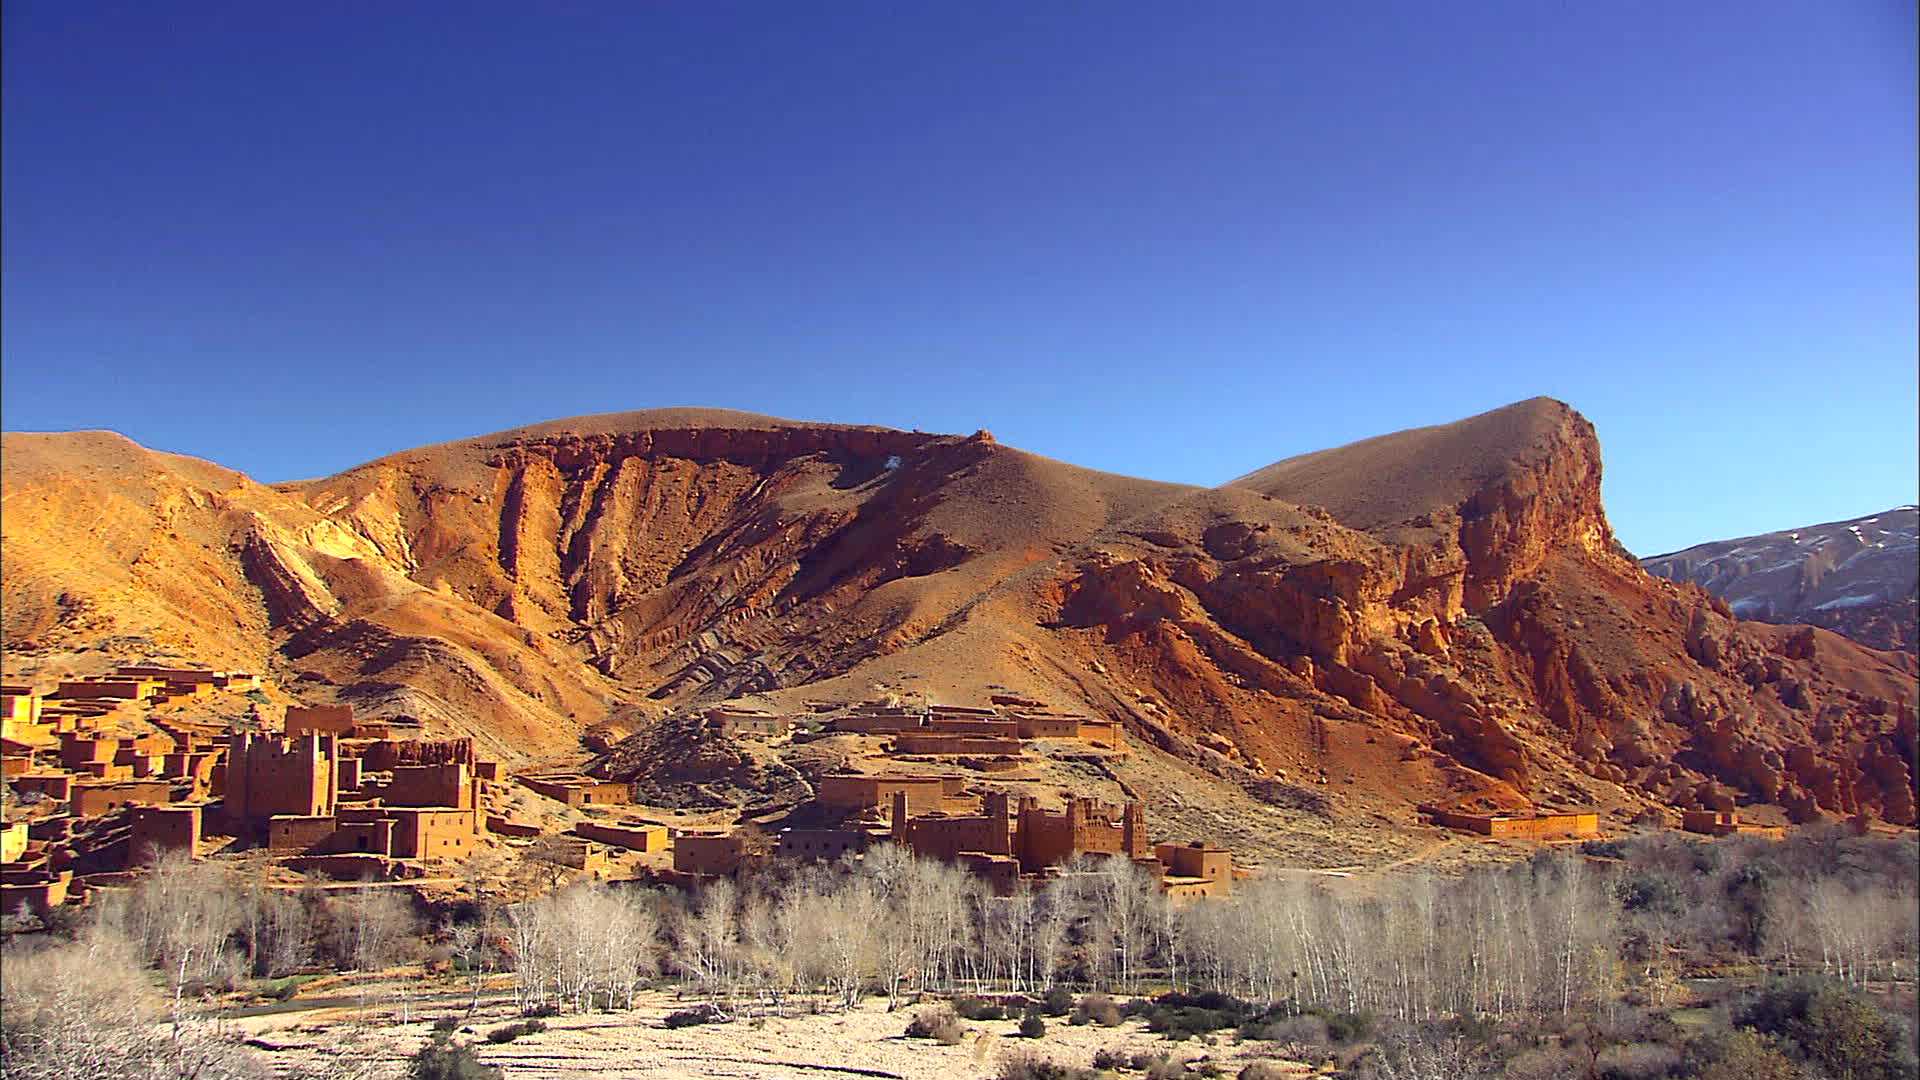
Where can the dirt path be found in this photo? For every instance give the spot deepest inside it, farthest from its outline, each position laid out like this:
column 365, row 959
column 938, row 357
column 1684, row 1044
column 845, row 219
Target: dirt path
column 1364, row 870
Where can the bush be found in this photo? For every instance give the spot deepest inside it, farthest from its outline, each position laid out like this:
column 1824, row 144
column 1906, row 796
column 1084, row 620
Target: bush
column 1057, row 1002
column 1032, row 1026
column 1263, row 1070
column 1027, row 1067
column 699, row 1014
column 444, row 1059
column 1306, row 1032
column 544, row 1011
column 513, row 1031
column 974, row 1008
column 1165, row 1067
column 937, row 1023
column 1836, row 1028
column 1639, row 1061
column 1096, row 1008
column 1105, row 1059
column 1658, row 892
column 1736, row 1055
column 1349, row 1027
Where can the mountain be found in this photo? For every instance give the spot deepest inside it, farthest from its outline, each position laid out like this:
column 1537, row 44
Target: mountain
column 1859, row 577
column 1438, row 614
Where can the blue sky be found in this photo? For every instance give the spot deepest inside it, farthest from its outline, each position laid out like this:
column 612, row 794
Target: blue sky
column 1177, row 241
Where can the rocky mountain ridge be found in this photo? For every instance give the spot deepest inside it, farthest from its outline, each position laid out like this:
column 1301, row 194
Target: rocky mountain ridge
column 1859, row 577
column 1435, row 614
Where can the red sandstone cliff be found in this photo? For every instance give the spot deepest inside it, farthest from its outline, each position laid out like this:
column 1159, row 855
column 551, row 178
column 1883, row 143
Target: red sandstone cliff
column 1438, row 612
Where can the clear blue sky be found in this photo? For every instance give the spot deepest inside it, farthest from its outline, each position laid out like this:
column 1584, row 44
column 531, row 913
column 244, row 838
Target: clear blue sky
column 1173, row 240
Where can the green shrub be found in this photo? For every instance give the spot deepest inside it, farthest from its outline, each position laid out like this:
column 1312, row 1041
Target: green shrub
column 1652, row 891
column 1835, row 1028
column 1032, row 1026
column 699, row 1014
column 1639, row 1061
column 444, row 1059
column 1736, row 1055
column 513, row 1031
column 1306, row 1032
column 974, row 1008
column 1057, row 1002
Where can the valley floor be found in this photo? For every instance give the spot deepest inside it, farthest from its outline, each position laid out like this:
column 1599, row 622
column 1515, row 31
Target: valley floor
column 865, row 1042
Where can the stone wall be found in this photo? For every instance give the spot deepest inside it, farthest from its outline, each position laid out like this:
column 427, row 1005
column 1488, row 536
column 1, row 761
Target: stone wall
column 631, row 837
column 319, row 720
column 94, row 800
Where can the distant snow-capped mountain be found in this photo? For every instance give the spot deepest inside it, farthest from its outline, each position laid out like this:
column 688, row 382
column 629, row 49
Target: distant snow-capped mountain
column 1859, row 577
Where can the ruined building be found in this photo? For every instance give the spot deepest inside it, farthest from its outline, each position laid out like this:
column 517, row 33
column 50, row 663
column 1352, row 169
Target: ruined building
column 1026, row 840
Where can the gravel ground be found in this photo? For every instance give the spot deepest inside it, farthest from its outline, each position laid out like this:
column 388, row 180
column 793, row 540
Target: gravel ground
column 867, row 1041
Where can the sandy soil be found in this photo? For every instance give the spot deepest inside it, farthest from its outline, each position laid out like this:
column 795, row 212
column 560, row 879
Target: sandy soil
column 867, row 1041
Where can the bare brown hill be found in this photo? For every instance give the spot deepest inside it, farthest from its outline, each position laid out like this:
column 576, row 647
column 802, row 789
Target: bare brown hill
column 1434, row 614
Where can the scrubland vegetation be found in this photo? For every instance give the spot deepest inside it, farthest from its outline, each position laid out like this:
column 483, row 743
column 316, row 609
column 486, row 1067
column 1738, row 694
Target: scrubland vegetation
column 1659, row 957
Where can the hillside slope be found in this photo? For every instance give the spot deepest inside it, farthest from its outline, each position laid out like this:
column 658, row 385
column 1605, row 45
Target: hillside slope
column 1859, row 577
column 1441, row 613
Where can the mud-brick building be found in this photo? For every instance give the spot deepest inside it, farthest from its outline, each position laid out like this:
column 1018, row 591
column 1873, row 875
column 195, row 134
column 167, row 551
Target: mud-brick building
column 1034, row 838
column 452, row 784
column 824, row 844
column 98, row 798
column 748, row 723
column 942, row 743
column 1087, row 826
column 158, row 829
column 632, row 837
column 392, row 832
column 320, row 720
column 13, row 841
column 1516, row 826
column 574, row 789
column 1195, row 870
column 1727, row 823
column 855, row 792
column 708, row 854
column 272, row 775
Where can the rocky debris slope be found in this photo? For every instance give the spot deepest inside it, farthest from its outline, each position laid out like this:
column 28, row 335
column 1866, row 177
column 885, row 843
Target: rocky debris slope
column 1859, row 577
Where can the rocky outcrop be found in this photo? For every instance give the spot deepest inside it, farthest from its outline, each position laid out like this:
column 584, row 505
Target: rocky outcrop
column 295, row 596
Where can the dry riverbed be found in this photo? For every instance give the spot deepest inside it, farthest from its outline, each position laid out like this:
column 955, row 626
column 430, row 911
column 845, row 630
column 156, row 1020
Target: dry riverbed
column 868, row 1041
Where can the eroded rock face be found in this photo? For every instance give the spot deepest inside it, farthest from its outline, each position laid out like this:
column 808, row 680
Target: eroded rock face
column 1455, row 592
column 1639, row 682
